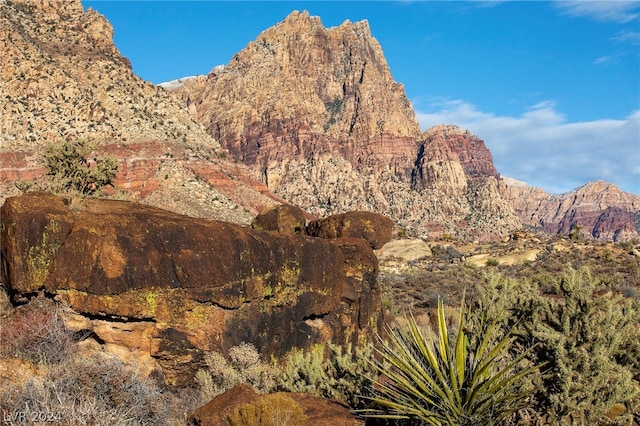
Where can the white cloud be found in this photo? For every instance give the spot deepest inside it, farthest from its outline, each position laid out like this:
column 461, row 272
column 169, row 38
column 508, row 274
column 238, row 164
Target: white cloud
column 610, row 59
column 542, row 148
column 604, row 10
column 631, row 37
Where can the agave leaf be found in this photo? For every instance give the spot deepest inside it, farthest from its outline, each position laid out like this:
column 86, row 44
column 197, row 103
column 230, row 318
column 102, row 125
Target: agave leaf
column 444, row 384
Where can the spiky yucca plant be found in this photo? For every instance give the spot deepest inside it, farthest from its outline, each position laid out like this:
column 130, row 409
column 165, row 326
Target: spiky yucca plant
column 447, row 381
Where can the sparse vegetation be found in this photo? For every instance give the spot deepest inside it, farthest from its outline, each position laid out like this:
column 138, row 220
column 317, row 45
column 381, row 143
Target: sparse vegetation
column 72, row 388
column 244, row 366
column 35, row 334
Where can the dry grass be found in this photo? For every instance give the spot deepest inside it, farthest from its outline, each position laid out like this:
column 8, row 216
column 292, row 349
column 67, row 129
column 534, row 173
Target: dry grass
column 74, row 389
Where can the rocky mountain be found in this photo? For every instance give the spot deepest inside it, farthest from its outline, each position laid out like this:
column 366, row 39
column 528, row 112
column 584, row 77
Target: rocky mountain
column 62, row 79
column 317, row 116
column 600, row 209
column 306, row 114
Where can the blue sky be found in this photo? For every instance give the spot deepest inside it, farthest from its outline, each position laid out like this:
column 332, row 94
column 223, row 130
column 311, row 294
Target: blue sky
column 552, row 87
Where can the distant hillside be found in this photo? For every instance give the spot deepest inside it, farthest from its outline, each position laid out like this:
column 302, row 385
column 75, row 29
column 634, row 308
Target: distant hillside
column 600, row 209
column 62, row 79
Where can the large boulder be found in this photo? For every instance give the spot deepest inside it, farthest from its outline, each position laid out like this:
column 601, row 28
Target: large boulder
column 375, row 228
column 283, row 219
column 317, row 411
column 187, row 285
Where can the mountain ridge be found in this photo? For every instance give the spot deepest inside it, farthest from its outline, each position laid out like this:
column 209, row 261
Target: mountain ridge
column 62, row 79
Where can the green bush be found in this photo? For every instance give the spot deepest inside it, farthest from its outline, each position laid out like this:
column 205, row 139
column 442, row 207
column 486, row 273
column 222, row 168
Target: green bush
column 587, row 335
column 330, row 371
column 71, row 171
column 244, row 366
column 465, row 380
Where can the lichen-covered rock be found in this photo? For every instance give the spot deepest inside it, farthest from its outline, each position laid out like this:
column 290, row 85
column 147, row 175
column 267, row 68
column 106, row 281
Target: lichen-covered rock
column 376, row 229
column 284, row 219
column 188, row 285
column 317, row 411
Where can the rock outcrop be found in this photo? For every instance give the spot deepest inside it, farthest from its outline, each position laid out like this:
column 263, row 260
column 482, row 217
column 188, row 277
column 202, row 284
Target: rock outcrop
column 173, row 287
column 316, row 114
column 283, row 219
column 601, row 210
column 374, row 228
column 63, row 79
column 317, row 411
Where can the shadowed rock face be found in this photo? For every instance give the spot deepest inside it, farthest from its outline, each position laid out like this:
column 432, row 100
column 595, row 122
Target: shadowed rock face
column 196, row 285
column 374, row 228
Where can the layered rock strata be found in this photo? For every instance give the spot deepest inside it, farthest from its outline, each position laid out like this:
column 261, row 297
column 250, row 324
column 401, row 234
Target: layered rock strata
column 600, row 210
column 318, row 117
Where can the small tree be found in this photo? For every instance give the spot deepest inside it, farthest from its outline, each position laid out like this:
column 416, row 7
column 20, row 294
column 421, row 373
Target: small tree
column 71, row 170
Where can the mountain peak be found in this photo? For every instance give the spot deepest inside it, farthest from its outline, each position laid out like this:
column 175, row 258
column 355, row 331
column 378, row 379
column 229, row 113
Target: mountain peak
column 317, row 114
column 333, row 81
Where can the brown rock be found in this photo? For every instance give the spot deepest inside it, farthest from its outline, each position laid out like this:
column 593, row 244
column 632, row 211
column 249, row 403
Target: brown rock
column 188, row 285
column 15, row 372
column 284, row 219
column 318, row 411
column 376, row 229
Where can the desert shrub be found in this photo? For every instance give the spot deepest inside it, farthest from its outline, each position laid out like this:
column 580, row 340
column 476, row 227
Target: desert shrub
column 244, row 366
column 93, row 391
column 463, row 380
column 268, row 410
column 37, row 334
column 492, row 261
column 587, row 335
column 330, row 371
column 71, row 171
